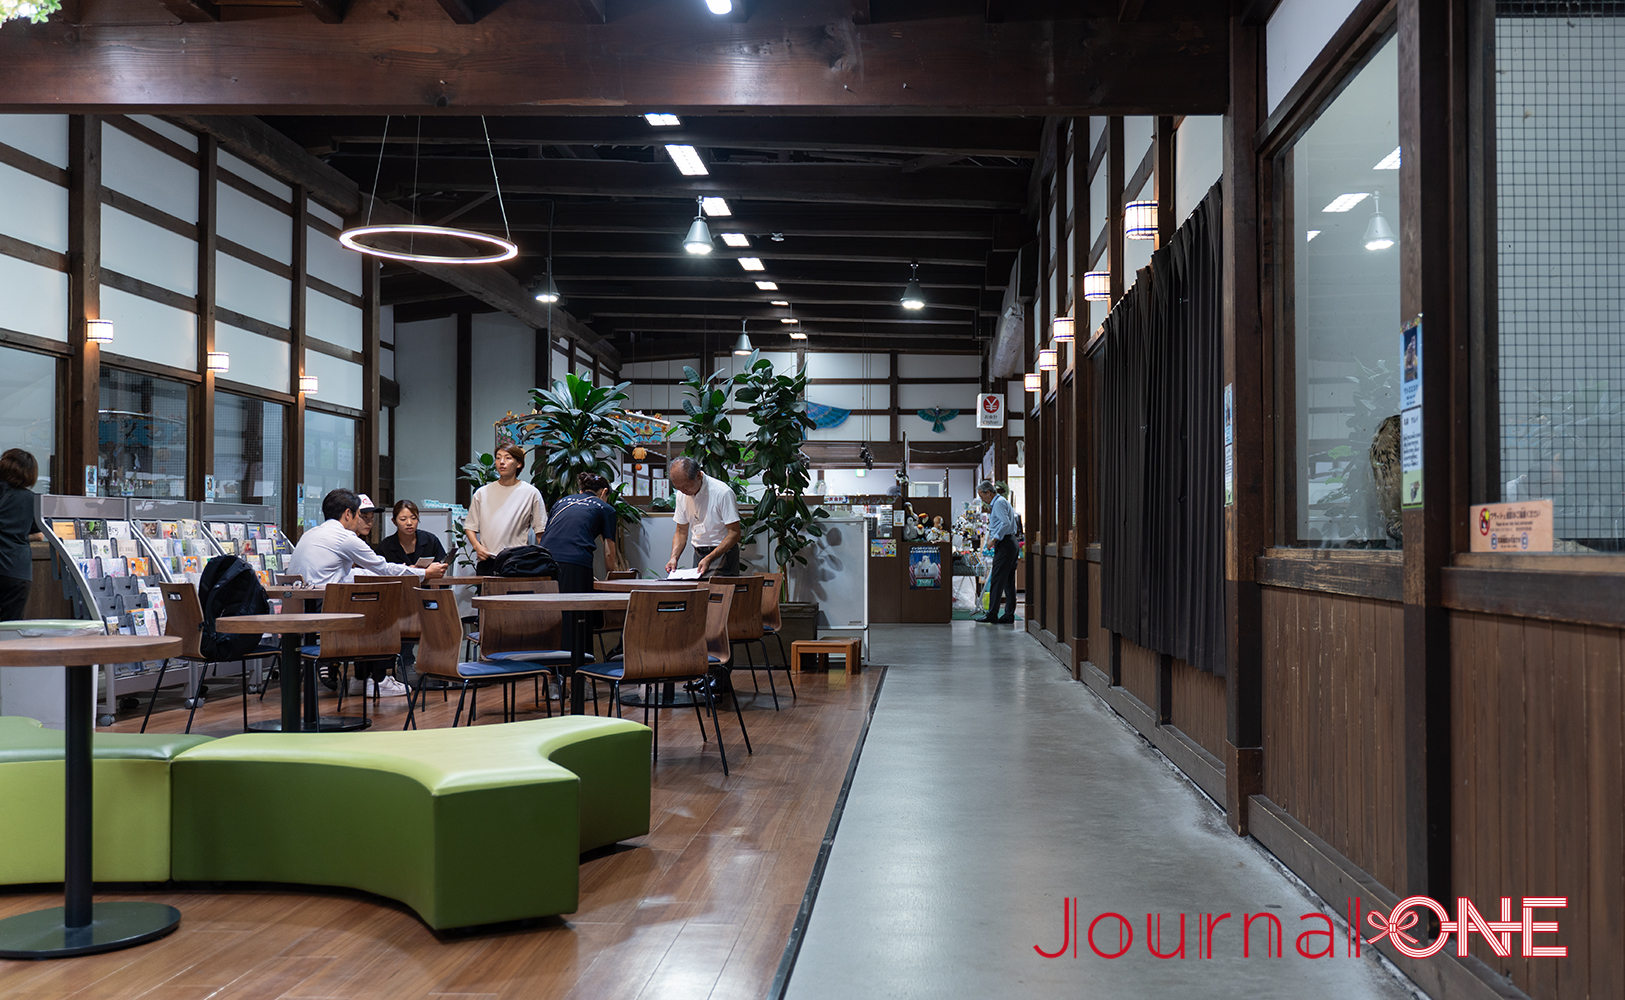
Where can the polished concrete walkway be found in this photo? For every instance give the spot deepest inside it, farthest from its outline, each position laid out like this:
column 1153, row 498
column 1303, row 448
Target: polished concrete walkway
column 991, row 787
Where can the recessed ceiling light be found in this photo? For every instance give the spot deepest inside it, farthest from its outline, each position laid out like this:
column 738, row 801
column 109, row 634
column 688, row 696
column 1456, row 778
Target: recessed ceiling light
column 1389, row 162
column 662, row 120
column 1312, row 234
column 798, row 335
column 1344, row 202
column 778, row 302
column 752, row 263
column 687, row 159
column 787, row 319
column 736, row 239
column 767, row 286
column 716, row 207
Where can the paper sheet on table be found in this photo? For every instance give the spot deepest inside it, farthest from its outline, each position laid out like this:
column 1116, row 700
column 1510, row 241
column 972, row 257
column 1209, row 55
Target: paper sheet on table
column 684, row 574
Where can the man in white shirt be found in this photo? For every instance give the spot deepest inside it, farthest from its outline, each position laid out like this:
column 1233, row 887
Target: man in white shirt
column 705, row 506
column 332, row 551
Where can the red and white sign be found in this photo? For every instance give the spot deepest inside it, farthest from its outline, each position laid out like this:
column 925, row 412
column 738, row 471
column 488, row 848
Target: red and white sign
column 990, row 409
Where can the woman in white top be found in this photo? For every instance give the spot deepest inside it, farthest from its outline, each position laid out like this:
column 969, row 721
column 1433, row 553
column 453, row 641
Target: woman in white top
column 504, row 512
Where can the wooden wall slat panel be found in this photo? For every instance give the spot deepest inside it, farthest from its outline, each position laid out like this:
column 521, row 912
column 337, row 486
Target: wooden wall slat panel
column 1099, row 640
column 1199, row 710
column 1607, row 773
column 1505, row 649
column 1140, row 672
column 1539, row 733
column 1569, row 791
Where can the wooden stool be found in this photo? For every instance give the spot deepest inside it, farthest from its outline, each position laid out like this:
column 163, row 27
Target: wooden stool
column 852, row 649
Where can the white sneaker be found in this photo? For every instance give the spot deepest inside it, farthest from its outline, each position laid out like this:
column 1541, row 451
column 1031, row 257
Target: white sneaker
column 389, row 687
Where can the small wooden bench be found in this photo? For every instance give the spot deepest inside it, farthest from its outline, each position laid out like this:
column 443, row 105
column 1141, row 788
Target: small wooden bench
column 852, row 649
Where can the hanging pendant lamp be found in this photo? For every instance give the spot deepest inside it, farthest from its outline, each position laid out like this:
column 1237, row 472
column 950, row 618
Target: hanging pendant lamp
column 913, row 294
column 1378, row 235
column 743, row 346
column 698, row 240
column 500, row 247
column 545, row 290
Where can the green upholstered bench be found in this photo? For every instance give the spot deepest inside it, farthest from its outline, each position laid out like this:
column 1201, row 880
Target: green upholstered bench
column 466, row 826
column 131, row 807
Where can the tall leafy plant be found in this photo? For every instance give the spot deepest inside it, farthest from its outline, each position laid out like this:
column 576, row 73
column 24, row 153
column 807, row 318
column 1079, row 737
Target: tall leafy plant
column 577, row 427
column 710, row 433
column 777, row 403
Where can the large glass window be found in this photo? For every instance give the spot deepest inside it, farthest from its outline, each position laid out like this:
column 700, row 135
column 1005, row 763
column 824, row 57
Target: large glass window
column 1338, row 303
column 28, row 409
column 1559, row 78
column 247, row 450
column 141, row 436
column 329, row 459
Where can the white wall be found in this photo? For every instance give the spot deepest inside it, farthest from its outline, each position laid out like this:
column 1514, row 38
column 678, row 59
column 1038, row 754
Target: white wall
column 503, row 355
column 1198, row 161
column 426, row 428
column 1296, row 33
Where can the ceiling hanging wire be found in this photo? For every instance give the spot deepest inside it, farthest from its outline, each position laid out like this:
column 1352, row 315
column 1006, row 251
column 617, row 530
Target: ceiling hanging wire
column 490, row 249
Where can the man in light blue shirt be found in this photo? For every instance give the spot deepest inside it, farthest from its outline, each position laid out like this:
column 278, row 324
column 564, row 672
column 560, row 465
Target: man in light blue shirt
column 1001, row 527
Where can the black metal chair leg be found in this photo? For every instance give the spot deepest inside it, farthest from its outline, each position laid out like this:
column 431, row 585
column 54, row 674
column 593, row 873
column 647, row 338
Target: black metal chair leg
column 244, row 676
column 711, row 703
column 455, row 719
column 197, row 696
column 648, row 696
column 769, row 667
column 742, row 731
column 411, row 706
column 161, row 669
column 693, row 696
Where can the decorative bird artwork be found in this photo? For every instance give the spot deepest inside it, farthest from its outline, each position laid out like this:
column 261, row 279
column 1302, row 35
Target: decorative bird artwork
column 824, row 415
column 939, row 418
column 1385, row 470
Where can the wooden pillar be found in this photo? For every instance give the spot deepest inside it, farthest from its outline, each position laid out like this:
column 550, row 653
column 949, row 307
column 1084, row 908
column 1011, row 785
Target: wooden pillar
column 202, row 423
column 1246, row 521
column 1115, row 181
column 84, row 301
column 465, row 402
column 296, row 330
column 1083, row 400
column 366, row 474
column 1432, row 115
column 892, row 383
column 544, row 359
column 1163, row 179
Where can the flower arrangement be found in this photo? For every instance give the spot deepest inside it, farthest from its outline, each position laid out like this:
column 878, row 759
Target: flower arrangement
column 35, row 10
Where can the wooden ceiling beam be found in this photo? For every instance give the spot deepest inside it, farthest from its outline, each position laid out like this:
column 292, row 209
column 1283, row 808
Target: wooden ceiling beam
column 724, row 260
column 192, row 11
column 460, row 11
column 729, row 326
column 326, row 11
column 587, row 269
column 994, row 188
column 789, row 58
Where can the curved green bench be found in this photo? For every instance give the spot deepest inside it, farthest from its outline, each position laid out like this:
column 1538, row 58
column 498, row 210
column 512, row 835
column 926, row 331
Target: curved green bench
column 130, row 808
column 465, row 826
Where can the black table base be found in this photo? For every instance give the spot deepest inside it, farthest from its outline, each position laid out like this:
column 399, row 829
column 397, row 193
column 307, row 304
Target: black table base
column 328, row 724
column 43, row 933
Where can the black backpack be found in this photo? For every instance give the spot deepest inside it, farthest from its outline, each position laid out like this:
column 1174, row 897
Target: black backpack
column 524, row 560
column 229, row 588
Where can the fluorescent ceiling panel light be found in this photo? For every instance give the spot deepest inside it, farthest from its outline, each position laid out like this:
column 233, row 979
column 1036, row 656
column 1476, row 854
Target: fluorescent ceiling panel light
column 736, row 239
column 787, row 319
column 1344, row 202
column 778, row 302
column 1312, row 234
column 1389, row 162
column 687, row 159
column 716, row 208
column 720, row 7
column 752, row 264
column 660, row 120
column 767, row 286
column 798, row 334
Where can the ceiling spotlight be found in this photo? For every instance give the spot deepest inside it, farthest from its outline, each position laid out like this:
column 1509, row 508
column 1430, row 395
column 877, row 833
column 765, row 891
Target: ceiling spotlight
column 1034, row 381
column 660, row 120
column 752, row 263
column 99, row 331
column 913, row 294
column 1097, row 286
column 1344, row 202
column 1047, row 360
column 742, row 346
column 715, row 207
column 698, row 240
column 1140, row 220
column 687, row 159
column 736, row 239
column 720, row 7
column 767, row 286
column 544, row 290
column 1378, row 236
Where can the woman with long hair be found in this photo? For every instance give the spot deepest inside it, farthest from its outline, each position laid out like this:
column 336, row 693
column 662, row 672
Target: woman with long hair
column 19, row 471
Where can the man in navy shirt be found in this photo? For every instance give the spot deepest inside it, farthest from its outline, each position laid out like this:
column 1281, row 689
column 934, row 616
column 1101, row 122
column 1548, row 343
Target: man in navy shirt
column 573, row 528
column 1001, row 527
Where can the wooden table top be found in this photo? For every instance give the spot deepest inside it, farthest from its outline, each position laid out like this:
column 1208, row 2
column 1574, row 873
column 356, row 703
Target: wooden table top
column 257, row 624
column 554, row 602
column 476, row 581
column 289, row 590
column 87, row 650
column 628, row 586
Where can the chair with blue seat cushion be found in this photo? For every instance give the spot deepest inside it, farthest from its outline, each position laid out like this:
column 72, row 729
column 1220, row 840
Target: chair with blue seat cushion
column 532, row 636
column 184, row 620
column 437, row 657
column 664, row 641
column 378, row 640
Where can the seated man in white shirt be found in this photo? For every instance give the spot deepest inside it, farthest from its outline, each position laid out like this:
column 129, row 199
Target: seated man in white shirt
column 333, row 551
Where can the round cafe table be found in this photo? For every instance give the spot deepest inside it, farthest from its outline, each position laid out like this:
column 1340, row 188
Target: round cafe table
column 82, row 926
column 292, row 627
column 575, row 607
column 628, row 586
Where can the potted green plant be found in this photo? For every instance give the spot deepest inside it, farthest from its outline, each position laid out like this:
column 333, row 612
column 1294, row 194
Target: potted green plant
column 706, row 425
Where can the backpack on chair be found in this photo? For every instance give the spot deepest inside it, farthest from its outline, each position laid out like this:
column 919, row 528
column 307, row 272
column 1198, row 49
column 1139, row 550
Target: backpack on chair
column 227, row 589
column 524, row 560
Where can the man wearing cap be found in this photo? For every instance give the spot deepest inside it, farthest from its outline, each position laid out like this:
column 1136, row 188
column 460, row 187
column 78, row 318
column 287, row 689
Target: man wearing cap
column 333, row 551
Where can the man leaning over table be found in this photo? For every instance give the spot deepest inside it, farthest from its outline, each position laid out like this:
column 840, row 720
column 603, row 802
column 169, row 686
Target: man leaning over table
column 706, row 509
column 333, row 551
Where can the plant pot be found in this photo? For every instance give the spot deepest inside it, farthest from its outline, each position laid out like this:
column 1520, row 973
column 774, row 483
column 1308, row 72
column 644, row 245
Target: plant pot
column 800, row 620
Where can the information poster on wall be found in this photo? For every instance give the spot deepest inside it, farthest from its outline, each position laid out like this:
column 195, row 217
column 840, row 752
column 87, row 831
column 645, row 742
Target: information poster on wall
column 1522, row 526
column 1410, row 415
column 990, row 409
column 1229, row 444
column 882, row 548
column 924, row 567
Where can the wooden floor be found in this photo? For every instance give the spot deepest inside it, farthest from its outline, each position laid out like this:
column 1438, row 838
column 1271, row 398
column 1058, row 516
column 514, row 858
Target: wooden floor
column 699, row 908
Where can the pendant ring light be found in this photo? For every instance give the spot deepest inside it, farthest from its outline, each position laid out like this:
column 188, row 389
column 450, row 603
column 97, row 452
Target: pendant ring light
column 501, row 247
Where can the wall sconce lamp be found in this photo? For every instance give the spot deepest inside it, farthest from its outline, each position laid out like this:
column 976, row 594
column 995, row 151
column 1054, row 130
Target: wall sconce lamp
column 219, row 362
column 1097, row 286
column 1061, row 328
column 307, row 384
column 1140, row 220
column 99, row 331
column 1047, row 360
column 1034, row 381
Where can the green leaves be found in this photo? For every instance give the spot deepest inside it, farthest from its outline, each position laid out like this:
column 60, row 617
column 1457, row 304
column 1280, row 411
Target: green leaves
column 576, row 428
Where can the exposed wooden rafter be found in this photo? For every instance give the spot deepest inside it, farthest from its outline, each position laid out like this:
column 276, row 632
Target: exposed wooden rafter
column 192, row 11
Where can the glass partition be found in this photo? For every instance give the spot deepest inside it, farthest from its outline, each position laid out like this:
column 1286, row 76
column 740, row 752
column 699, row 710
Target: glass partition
column 141, row 436
column 28, row 409
column 247, row 450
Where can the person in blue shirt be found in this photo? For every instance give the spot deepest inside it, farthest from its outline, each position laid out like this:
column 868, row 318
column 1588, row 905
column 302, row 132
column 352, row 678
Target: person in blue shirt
column 1001, row 527
column 573, row 528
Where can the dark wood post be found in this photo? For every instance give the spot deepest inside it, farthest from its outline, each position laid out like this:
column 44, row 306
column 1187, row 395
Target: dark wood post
column 202, row 423
column 84, row 300
column 465, row 402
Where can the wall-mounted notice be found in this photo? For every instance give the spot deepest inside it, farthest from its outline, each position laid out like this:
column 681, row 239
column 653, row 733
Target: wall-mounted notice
column 1522, row 526
column 924, row 567
column 882, row 548
column 1410, row 414
column 1229, row 444
column 990, row 409
column 90, row 480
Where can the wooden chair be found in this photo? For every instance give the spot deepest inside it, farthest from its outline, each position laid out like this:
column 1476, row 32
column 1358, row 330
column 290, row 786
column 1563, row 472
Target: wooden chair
column 409, row 626
column 437, row 657
column 184, row 621
column 378, row 638
column 772, row 621
column 745, row 627
column 665, row 643
column 614, row 621
column 534, row 637
column 719, row 651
